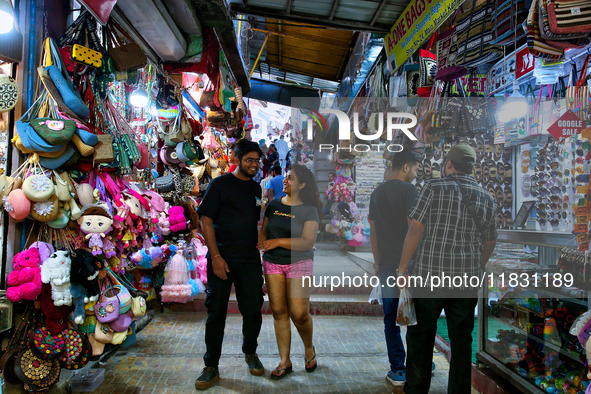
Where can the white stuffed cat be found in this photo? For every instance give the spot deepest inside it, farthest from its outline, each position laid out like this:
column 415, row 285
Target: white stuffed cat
column 56, row 270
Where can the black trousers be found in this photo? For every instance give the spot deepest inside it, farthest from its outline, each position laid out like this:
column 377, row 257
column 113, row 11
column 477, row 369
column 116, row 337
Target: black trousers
column 248, row 282
column 420, row 339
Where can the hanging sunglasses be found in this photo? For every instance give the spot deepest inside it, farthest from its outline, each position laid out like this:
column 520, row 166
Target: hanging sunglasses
column 553, row 222
column 555, row 198
column 579, row 160
column 555, row 174
column 580, row 152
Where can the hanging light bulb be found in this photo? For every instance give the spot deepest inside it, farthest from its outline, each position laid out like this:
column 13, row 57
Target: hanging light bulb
column 515, row 107
column 139, row 98
column 6, row 18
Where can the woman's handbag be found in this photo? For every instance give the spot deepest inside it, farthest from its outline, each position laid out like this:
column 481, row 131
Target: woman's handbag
column 107, row 307
column 129, row 56
column 9, row 93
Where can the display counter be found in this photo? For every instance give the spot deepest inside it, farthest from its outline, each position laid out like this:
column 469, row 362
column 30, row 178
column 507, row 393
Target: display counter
column 523, row 332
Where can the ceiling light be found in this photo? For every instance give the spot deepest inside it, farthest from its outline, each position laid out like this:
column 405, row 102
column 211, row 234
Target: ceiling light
column 6, row 18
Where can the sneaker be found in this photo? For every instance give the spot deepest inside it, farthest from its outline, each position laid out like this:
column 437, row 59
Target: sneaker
column 396, row 378
column 255, row 365
column 208, row 376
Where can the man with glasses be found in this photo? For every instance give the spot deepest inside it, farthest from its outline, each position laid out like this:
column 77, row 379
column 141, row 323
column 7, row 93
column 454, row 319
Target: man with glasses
column 453, row 231
column 229, row 214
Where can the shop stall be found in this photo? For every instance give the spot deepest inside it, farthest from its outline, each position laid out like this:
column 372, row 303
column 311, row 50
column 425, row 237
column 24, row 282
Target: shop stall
column 114, row 154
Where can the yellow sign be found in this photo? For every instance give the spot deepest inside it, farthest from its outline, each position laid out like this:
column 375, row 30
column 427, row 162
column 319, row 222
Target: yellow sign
column 416, row 24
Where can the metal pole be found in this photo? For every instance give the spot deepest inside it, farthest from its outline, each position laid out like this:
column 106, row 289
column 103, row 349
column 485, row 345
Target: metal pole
column 259, row 56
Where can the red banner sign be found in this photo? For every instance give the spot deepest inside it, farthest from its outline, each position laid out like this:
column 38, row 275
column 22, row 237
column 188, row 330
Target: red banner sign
column 567, row 125
column 524, row 62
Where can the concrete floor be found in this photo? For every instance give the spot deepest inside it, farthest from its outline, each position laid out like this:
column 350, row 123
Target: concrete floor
column 168, row 358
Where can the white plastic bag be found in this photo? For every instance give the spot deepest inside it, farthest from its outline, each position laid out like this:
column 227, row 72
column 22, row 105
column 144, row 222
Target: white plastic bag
column 406, row 310
column 375, row 297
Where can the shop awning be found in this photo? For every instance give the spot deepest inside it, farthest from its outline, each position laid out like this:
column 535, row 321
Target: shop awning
column 376, row 16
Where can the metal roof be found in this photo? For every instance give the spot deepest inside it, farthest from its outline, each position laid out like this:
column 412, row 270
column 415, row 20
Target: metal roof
column 376, row 16
column 270, row 73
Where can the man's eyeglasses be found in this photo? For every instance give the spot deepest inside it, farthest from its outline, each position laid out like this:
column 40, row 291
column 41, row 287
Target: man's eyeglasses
column 251, row 161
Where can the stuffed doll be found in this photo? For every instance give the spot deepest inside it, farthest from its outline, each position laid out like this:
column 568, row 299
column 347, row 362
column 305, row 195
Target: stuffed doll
column 164, row 224
column 176, row 218
column 25, row 279
column 148, row 258
column 45, row 249
column 96, row 222
column 56, row 271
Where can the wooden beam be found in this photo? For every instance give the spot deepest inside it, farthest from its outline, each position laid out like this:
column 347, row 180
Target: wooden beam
column 378, row 12
column 280, row 39
column 288, row 9
column 297, row 38
column 333, row 11
column 335, row 23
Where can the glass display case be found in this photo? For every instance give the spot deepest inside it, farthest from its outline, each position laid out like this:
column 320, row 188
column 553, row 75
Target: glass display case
column 524, row 326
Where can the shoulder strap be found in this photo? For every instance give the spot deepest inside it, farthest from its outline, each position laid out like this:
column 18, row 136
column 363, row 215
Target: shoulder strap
column 469, row 207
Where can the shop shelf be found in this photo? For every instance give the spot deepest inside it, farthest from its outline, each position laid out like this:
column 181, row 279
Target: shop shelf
column 572, row 355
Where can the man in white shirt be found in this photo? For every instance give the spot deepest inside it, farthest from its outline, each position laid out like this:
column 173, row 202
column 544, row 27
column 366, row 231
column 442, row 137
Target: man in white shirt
column 282, row 149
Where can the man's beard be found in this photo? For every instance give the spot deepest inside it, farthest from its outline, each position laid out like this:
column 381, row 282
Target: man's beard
column 244, row 171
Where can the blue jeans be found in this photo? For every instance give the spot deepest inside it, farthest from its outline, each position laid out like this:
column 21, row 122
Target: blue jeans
column 396, row 353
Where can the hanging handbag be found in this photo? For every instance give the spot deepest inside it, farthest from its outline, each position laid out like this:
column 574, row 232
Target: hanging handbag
column 9, row 93
column 427, row 69
column 507, row 17
column 107, row 308
column 129, row 56
column 569, row 16
column 446, row 58
column 536, row 45
column 560, row 41
column 474, row 34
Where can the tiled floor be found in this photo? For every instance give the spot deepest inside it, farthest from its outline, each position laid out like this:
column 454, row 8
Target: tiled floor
column 168, row 358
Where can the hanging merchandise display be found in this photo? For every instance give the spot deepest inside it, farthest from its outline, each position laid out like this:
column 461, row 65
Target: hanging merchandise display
column 117, row 156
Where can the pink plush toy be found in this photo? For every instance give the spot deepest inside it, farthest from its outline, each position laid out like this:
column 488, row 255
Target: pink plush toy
column 164, row 224
column 25, row 279
column 177, row 219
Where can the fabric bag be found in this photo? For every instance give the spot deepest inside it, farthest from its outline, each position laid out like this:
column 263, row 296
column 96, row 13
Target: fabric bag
column 446, row 58
column 126, row 56
column 569, row 16
column 507, row 19
column 536, row 45
column 54, row 131
column 427, row 69
column 9, row 93
column 474, row 34
column 107, row 308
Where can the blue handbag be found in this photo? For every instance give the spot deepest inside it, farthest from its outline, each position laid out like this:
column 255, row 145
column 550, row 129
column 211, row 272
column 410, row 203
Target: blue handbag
column 57, row 162
column 87, row 137
column 33, row 141
column 70, row 95
column 61, row 79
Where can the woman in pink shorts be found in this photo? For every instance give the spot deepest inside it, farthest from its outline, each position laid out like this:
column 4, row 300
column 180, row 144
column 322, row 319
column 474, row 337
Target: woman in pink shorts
column 287, row 238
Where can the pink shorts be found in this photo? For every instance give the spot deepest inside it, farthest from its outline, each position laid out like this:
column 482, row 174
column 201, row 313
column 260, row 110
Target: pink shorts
column 295, row 270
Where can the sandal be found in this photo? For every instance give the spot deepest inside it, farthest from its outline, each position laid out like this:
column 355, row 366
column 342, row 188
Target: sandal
column 313, row 367
column 287, row 370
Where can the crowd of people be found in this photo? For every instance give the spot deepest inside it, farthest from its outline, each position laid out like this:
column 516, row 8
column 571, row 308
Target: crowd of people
column 450, row 226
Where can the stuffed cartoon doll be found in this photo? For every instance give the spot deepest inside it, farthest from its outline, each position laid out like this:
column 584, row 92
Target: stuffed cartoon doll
column 24, row 280
column 96, row 222
column 56, row 271
column 84, row 277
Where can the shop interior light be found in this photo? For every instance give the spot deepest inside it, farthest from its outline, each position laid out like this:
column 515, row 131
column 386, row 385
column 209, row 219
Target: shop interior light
column 515, row 107
column 138, row 98
column 6, row 18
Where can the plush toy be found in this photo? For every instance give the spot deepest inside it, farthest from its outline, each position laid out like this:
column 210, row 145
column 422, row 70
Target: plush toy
column 95, row 222
column 56, row 271
column 55, row 316
column 177, row 219
column 357, row 233
column 45, row 249
column 25, row 279
column 164, row 224
column 148, row 258
column 84, row 277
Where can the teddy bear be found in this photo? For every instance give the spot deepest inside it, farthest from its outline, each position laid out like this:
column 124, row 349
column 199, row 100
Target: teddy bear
column 56, row 271
column 177, row 219
column 84, row 277
column 25, row 279
column 164, row 224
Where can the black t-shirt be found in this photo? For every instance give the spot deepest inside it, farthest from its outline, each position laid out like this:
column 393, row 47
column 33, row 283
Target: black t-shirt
column 234, row 206
column 288, row 222
column 389, row 207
